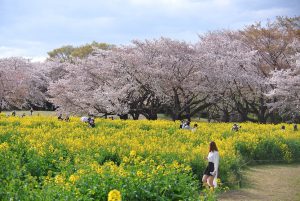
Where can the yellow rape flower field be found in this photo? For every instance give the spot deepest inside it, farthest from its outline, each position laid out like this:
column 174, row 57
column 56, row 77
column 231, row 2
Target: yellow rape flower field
column 45, row 159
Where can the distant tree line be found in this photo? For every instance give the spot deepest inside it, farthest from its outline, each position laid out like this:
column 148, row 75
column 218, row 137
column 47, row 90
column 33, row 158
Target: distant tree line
column 251, row 74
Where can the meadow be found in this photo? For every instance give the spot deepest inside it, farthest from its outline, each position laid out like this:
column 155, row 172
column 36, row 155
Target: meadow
column 45, row 159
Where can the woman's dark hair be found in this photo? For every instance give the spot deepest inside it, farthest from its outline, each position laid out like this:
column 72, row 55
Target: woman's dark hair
column 213, row 146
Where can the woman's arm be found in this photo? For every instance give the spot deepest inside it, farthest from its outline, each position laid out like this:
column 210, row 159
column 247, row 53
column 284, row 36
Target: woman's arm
column 216, row 161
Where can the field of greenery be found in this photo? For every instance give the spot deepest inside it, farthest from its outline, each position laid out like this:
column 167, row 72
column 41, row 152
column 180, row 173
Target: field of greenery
column 45, row 159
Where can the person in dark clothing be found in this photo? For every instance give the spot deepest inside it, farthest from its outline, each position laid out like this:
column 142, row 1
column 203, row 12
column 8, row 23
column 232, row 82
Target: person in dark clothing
column 92, row 122
column 295, row 127
column 235, row 127
column 181, row 124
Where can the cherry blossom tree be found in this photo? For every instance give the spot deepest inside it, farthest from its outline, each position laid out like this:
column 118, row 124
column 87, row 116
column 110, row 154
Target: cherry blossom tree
column 274, row 43
column 286, row 90
column 20, row 84
column 235, row 79
column 133, row 83
column 176, row 76
column 134, row 79
column 226, row 71
column 105, row 82
column 73, row 91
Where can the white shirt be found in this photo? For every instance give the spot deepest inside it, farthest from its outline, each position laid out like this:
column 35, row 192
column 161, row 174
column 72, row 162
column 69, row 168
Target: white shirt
column 84, row 119
column 186, row 127
column 213, row 157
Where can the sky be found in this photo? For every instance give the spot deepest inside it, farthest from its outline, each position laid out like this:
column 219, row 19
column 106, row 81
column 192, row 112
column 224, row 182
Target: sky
column 31, row 28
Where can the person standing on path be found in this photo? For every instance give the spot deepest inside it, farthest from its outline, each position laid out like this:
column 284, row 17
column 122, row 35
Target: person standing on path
column 210, row 174
column 31, row 111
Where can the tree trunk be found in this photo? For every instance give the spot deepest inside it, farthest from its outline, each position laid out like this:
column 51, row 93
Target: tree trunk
column 262, row 113
column 123, row 116
column 275, row 118
column 176, row 107
column 262, row 118
column 1, row 105
column 188, row 114
column 175, row 116
column 135, row 115
column 150, row 114
column 153, row 116
column 225, row 116
column 243, row 116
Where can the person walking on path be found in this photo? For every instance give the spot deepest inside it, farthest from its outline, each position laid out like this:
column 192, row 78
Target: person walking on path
column 210, row 174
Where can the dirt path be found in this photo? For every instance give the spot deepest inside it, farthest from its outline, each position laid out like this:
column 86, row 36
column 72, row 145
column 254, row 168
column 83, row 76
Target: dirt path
column 268, row 183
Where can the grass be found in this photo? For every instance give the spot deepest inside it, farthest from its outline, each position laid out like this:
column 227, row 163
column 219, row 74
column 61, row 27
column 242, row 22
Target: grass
column 54, row 113
column 35, row 113
column 268, row 182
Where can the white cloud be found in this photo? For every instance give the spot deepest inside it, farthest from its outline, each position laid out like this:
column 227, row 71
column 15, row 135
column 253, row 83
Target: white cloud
column 6, row 52
column 33, row 50
column 37, row 59
column 11, row 51
column 182, row 6
column 32, row 28
column 222, row 3
column 264, row 14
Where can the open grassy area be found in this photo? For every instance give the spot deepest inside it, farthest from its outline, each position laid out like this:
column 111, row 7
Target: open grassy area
column 269, row 183
column 54, row 113
column 35, row 113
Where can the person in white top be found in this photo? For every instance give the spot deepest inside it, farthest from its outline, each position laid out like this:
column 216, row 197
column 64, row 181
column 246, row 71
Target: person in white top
column 210, row 174
column 85, row 119
column 195, row 128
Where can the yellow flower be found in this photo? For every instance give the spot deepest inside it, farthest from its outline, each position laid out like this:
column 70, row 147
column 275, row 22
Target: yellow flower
column 59, row 179
column 81, row 171
column 159, row 167
column 132, row 153
column 187, row 168
column 139, row 173
column 73, row 178
column 114, row 195
column 175, row 164
column 4, row 146
column 125, row 160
